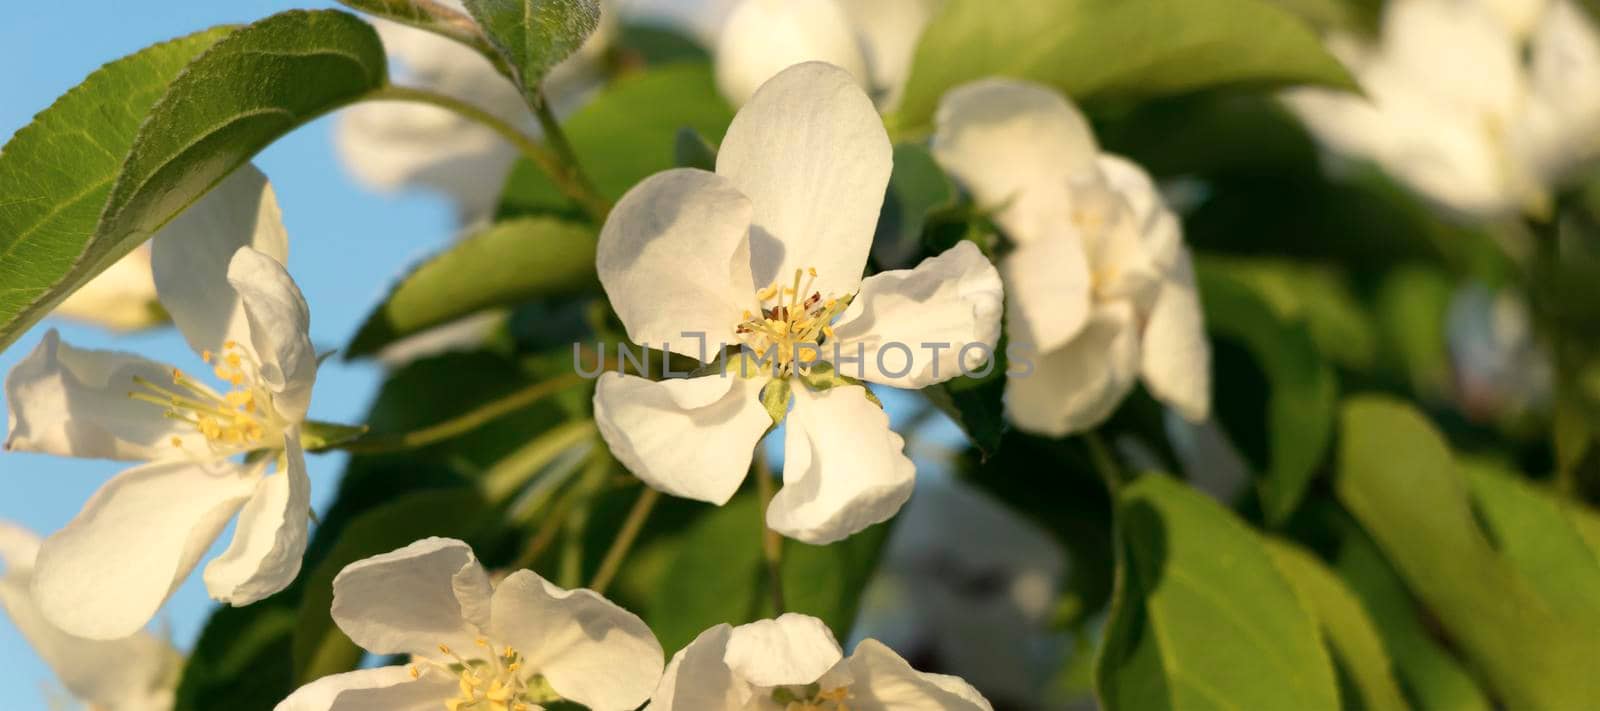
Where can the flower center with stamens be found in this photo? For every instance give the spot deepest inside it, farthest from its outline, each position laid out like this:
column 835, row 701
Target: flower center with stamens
column 240, row 419
column 492, row 682
column 793, row 323
column 813, row 698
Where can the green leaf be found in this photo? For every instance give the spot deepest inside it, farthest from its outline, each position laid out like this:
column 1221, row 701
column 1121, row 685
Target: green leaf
column 535, row 35
column 321, row 436
column 1349, row 633
column 55, row 182
column 432, row 16
column 775, row 396
column 1411, row 306
column 1540, row 534
column 626, row 134
column 505, row 264
column 320, row 648
column 1300, row 403
column 1317, row 296
column 1432, row 677
column 719, row 575
column 692, row 150
column 1093, row 48
column 1518, row 627
column 109, row 165
column 1201, row 618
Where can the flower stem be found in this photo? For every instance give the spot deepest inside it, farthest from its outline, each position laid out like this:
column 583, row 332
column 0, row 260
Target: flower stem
column 771, row 542
column 1104, row 464
column 560, row 164
column 465, row 422
column 624, row 540
column 587, row 196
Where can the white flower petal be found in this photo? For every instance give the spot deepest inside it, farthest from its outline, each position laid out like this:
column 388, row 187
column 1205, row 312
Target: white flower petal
column 1176, row 357
column 761, row 38
column 697, row 677
column 279, row 329
column 1048, row 290
column 952, row 301
column 792, row 650
column 889, row 31
column 589, row 649
column 381, row 689
column 647, row 423
column 121, row 298
column 410, row 601
column 190, row 256
column 1079, row 385
column 674, row 258
column 1158, row 233
column 74, row 402
column 1558, row 132
column 270, row 539
column 106, row 573
column 843, row 469
column 1019, row 145
column 18, row 548
column 811, row 153
column 117, row 674
column 885, row 682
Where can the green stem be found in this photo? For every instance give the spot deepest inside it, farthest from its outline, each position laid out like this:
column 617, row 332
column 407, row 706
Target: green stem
column 586, row 194
column 1104, row 464
column 512, row 473
column 624, row 540
column 771, row 542
column 463, row 423
column 559, row 164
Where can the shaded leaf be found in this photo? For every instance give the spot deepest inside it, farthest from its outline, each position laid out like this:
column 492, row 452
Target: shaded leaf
column 434, row 16
column 503, row 265
column 249, row 88
column 1202, row 618
column 1297, row 425
column 243, row 656
column 917, row 187
column 1090, row 48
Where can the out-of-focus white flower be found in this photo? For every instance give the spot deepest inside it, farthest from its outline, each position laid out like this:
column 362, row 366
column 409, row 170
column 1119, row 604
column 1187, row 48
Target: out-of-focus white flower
column 793, row 663
column 700, row 19
column 874, row 40
column 1464, row 105
column 1098, row 284
column 971, row 584
column 1500, row 368
column 121, row 298
column 478, row 646
column 800, row 179
column 136, row 673
column 390, row 146
column 219, row 270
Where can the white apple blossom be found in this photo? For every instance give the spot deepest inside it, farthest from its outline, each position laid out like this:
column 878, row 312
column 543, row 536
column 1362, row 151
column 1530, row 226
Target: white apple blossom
column 1098, row 281
column 476, row 645
column 793, row 663
column 121, row 298
column 976, row 596
column 1482, row 107
column 219, row 270
column 800, row 179
column 390, row 146
column 136, row 673
column 874, row 40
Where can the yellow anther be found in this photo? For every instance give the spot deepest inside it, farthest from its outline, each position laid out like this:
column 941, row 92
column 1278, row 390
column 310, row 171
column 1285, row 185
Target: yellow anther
column 414, row 672
column 444, row 649
column 229, row 345
column 811, row 271
column 481, row 642
column 177, row 442
column 206, row 356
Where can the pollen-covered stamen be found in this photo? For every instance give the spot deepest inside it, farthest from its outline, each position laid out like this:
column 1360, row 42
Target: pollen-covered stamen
column 241, row 418
column 794, row 325
column 813, row 698
column 488, row 681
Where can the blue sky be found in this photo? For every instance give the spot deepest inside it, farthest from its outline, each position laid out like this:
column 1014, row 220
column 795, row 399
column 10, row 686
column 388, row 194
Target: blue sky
column 346, row 245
